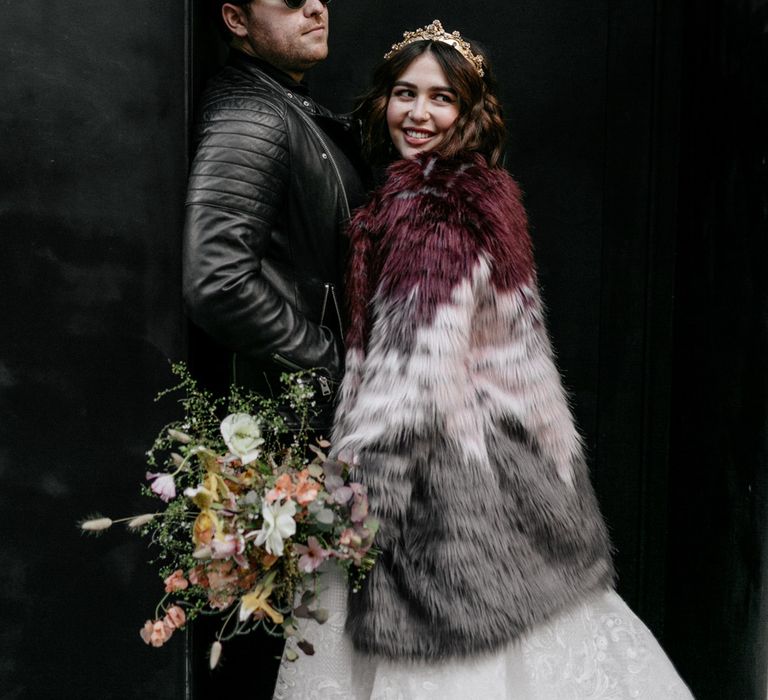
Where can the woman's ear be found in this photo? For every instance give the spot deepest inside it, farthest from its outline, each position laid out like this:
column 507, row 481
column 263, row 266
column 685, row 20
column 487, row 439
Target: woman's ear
column 235, row 19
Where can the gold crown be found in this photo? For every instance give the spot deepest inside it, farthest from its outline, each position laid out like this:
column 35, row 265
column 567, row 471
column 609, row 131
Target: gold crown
column 435, row 32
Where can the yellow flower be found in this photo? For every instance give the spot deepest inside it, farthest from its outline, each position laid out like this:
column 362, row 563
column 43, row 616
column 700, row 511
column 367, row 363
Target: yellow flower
column 257, row 600
column 209, row 460
column 217, row 487
column 206, row 527
column 200, row 496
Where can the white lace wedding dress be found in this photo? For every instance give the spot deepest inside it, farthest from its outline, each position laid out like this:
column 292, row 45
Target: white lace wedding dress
column 599, row 650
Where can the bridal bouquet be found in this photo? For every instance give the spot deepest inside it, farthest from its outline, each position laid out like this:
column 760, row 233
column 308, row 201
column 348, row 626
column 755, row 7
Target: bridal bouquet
column 248, row 512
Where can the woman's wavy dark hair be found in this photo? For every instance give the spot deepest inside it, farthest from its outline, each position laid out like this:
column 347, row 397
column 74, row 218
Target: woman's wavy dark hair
column 480, row 126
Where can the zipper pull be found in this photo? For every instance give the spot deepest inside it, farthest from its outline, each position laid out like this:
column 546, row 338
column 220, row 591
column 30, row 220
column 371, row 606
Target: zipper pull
column 325, row 387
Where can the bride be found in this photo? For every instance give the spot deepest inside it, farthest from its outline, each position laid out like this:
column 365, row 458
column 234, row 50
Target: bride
column 495, row 577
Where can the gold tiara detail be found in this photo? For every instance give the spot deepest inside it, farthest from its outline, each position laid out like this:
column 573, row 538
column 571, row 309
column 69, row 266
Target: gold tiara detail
column 435, row 32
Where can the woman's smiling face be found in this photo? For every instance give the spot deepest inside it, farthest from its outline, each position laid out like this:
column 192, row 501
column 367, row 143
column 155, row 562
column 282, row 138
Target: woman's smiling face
column 422, row 107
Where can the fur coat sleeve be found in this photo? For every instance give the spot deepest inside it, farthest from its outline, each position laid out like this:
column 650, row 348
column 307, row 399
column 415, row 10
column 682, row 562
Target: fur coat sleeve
column 453, row 414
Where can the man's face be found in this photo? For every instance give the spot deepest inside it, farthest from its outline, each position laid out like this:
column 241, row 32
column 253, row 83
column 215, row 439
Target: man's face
column 292, row 40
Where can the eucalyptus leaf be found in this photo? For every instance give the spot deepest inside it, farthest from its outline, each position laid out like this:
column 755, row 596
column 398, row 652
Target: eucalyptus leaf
column 318, row 452
column 372, row 525
column 326, row 516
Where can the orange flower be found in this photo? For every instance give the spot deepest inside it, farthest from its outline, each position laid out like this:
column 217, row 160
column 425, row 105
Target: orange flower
column 222, row 583
column 220, row 575
column 176, row 582
column 197, row 577
column 306, row 491
column 283, row 489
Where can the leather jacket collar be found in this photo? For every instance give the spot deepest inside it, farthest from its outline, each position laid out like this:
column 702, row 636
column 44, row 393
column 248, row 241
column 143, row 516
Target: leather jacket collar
column 295, row 92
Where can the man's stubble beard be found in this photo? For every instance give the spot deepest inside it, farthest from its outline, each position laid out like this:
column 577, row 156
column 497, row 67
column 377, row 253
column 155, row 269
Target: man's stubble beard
column 289, row 60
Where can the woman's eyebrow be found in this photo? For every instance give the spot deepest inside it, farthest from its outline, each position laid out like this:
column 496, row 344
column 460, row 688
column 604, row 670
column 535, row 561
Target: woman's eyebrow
column 435, row 88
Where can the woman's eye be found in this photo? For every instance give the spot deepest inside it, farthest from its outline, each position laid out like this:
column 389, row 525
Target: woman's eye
column 403, row 92
column 444, row 98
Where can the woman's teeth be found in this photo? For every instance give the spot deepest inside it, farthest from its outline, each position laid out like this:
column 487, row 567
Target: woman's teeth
column 417, row 134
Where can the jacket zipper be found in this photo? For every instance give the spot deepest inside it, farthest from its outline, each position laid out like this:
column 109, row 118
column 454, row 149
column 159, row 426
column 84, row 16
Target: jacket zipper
column 325, row 385
column 325, row 303
column 336, row 306
column 286, row 363
column 329, row 155
column 322, row 141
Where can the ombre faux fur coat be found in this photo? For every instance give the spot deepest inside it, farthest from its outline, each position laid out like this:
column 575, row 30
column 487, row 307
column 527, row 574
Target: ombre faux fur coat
column 453, row 414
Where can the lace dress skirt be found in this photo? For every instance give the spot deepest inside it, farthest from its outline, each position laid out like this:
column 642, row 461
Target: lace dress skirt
column 598, row 650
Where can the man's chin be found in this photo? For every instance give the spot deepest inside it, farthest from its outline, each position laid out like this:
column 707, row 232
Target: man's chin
column 311, row 60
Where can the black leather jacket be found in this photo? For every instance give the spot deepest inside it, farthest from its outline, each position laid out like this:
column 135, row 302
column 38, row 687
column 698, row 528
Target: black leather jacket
column 269, row 198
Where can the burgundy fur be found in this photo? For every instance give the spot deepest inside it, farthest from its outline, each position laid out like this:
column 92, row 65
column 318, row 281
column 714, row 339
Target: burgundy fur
column 452, row 199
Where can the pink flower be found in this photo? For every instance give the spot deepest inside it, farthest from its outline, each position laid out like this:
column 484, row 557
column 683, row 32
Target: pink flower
column 146, row 632
column 359, row 510
column 226, row 548
column 176, row 582
column 312, row 555
column 175, row 617
column 349, row 538
column 155, row 633
column 163, row 485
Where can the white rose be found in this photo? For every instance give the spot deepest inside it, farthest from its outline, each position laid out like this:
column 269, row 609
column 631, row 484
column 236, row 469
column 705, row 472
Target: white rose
column 242, row 436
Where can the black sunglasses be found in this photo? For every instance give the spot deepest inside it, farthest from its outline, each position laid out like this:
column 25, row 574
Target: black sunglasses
column 298, row 4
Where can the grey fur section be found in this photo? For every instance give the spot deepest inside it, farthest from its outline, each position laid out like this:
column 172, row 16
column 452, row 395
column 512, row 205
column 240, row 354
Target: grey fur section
column 472, row 557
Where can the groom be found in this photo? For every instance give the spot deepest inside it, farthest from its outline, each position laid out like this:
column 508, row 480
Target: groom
column 272, row 183
column 270, row 190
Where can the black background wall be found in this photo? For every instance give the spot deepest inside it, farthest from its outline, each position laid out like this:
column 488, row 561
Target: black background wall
column 638, row 134
column 93, row 144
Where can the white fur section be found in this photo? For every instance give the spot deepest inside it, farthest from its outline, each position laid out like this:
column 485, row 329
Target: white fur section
column 514, row 368
column 404, row 394
column 485, row 357
column 347, row 397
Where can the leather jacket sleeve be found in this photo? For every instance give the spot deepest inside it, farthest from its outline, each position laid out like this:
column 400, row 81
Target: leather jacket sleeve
column 237, row 187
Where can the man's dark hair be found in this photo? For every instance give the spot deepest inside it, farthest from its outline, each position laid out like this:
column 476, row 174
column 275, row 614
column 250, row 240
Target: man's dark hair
column 214, row 10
